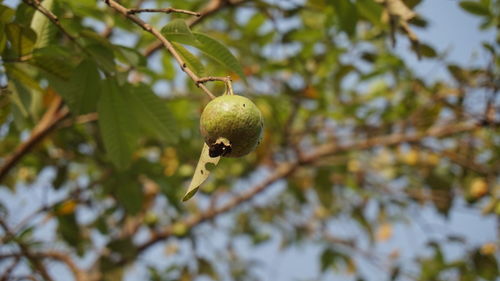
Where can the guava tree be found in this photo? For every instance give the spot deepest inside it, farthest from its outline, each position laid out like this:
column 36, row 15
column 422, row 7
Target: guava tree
column 100, row 107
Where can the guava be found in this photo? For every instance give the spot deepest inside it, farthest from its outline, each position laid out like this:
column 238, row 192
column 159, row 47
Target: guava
column 231, row 126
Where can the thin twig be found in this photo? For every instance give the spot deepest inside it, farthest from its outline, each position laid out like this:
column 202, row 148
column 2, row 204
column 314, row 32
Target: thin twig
column 212, row 78
column 53, row 18
column 211, row 8
column 164, row 10
column 166, row 43
column 78, row 273
column 49, row 121
column 38, row 265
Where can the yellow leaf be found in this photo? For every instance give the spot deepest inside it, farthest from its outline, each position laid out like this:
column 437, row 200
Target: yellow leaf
column 170, row 161
column 478, row 187
column 67, row 207
column 353, row 166
column 489, row 249
column 411, row 157
column 384, row 232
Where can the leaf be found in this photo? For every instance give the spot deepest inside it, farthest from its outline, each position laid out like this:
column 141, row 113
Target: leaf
column 220, row 53
column 347, row 15
column 178, row 31
column 6, row 14
column 201, row 173
column 370, row 10
column 486, row 266
column 103, row 56
column 384, row 232
column 425, row 50
column 129, row 193
column 328, row 258
column 70, row 231
column 123, row 246
column 130, row 56
column 84, row 88
column 152, row 113
column 206, row 268
column 22, row 39
column 3, row 37
column 43, row 28
column 118, row 127
column 191, row 61
column 475, row 8
column 54, row 60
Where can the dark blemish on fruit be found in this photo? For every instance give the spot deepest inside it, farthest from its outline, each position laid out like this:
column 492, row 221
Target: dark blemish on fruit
column 201, row 172
column 219, row 149
column 243, row 105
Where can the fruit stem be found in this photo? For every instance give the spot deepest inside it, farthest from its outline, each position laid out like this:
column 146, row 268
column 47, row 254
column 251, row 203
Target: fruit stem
column 229, row 85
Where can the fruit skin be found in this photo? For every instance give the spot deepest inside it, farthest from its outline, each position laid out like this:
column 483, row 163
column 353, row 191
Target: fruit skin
column 233, row 120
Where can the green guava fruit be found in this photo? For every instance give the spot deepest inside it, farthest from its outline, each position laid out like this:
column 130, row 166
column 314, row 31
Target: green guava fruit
column 231, row 126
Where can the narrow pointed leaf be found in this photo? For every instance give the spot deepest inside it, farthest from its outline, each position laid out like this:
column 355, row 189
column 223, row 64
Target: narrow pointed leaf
column 6, row 14
column 475, row 8
column 118, row 127
column 153, row 114
column 22, row 39
column 219, row 52
column 43, row 28
column 201, row 173
column 192, row 61
column 84, row 88
column 178, row 31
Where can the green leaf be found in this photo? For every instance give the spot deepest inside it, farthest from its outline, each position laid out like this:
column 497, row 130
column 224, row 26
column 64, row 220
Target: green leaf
column 219, row 52
column 130, row 56
column 22, row 39
column 70, row 231
column 327, row 259
column 205, row 164
column 370, row 11
column 6, row 14
column 42, row 26
column 178, row 31
column 103, row 56
column 84, row 88
column 128, row 192
column 206, row 268
column 152, row 113
column 191, row 61
column 475, row 8
column 123, row 246
column 3, row 37
column 18, row 73
column 118, row 127
column 486, row 266
column 425, row 50
column 347, row 15
column 54, row 60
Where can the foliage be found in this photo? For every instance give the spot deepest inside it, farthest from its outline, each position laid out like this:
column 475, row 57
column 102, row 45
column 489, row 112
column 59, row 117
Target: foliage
column 104, row 119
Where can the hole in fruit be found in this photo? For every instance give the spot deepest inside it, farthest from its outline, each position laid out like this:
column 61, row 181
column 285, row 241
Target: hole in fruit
column 243, row 105
column 219, row 149
column 209, row 166
column 201, row 172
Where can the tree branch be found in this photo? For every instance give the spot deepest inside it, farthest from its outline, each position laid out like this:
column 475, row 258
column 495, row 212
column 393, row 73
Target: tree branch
column 285, row 169
column 53, row 18
column 211, row 8
column 37, row 264
column 78, row 273
column 49, row 122
column 166, row 43
column 164, row 10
